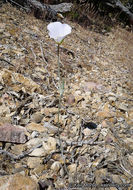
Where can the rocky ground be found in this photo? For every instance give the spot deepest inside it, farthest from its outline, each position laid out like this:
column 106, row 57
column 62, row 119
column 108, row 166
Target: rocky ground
column 95, row 148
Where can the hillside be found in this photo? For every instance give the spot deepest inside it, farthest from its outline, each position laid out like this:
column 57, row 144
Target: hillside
column 96, row 113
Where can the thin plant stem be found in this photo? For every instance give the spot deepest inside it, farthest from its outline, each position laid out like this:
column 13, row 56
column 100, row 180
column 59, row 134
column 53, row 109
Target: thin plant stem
column 58, row 54
column 61, row 90
column 60, row 94
column 59, row 104
column 59, row 76
column 61, row 86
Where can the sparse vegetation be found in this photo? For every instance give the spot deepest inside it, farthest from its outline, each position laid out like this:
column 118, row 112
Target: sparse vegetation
column 96, row 117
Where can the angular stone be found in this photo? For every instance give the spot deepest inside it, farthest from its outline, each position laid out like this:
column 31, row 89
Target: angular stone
column 12, row 133
column 122, row 106
column 56, row 166
column 113, row 120
column 87, row 132
column 35, row 127
column 50, row 128
column 129, row 142
column 62, row 7
column 17, row 149
column 130, row 158
column 99, row 175
column 112, row 99
column 50, row 145
column 49, row 111
column 32, row 162
column 104, row 124
column 116, row 179
column 4, row 110
column 16, row 182
column 38, row 152
column 89, row 86
column 130, row 113
column 33, row 142
column 105, row 113
column 72, row 168
column 8, row 77
column 39, row 169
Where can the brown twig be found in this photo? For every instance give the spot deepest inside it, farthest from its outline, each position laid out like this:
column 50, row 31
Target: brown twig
column 14, row 157
column 18, row 5
column 81, row 143
column 44, row 59
column 1, row 59
column 122, row 166
column 33, row 53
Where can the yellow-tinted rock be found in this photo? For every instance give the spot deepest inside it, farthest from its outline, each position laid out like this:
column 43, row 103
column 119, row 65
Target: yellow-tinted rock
column 50, row 145
column 35, row 127
column 32, row 162
column 17, row 182
column 72, row 168
column 105, row 113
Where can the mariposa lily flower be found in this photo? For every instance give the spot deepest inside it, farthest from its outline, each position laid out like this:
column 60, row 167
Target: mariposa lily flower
column 58, row 31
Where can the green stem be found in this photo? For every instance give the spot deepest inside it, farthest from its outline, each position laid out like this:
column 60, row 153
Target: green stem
column 60, row 96
column 59, row 105
column 61, row 90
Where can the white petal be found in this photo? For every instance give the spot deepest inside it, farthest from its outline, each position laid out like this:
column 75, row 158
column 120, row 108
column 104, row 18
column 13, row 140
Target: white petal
column 66, row 29
column 53, row 25
column 59, row 39
column 58, row 31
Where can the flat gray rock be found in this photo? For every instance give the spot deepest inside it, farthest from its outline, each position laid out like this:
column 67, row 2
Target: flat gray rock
column 12, row 133
column 62, row 8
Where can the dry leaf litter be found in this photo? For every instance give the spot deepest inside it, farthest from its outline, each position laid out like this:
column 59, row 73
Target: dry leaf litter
column 96, row 114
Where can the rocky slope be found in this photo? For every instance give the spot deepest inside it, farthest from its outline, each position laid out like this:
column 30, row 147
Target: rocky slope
column 96, row 123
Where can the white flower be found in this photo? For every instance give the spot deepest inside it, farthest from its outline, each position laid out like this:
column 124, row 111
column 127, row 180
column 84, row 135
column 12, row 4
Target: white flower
column 58, row 31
